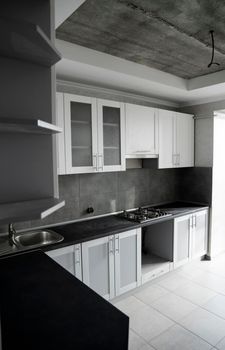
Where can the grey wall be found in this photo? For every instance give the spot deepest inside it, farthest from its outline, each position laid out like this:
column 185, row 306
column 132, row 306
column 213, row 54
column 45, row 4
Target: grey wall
column 110, row 192
column 204, row 131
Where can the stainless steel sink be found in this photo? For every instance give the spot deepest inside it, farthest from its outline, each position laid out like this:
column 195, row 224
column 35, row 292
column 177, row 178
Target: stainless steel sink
column 37, row 238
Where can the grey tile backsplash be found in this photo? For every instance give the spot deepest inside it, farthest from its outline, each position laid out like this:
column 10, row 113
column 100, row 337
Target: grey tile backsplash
column 115, row 191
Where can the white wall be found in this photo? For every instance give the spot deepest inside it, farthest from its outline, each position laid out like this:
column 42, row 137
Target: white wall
column 218, row 194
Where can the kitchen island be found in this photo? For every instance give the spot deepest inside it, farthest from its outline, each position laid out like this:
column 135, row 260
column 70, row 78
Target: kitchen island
column 44, row 307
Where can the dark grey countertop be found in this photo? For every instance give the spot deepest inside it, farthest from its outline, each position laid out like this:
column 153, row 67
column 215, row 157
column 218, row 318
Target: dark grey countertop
column 94, row 228
column 42, row 306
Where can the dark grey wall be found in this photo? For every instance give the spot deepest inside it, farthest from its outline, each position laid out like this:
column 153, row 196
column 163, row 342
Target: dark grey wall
column 110, row 192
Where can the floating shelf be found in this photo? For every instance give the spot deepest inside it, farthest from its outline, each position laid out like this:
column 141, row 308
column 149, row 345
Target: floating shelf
column 26, row 41
column 29, row 210
column 31, row 126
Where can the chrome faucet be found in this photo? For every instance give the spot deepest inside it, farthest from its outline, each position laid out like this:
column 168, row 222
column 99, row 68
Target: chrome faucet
column 12, row 233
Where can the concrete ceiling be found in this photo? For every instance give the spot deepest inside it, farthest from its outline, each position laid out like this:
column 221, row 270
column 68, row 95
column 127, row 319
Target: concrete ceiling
column 171, row 36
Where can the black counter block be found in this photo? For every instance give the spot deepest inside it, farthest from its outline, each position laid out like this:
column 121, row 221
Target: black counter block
column 195, row 184
column 44, row 307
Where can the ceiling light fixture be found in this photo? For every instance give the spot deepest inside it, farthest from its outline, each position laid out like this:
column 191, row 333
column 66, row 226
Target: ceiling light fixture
column 213, row 49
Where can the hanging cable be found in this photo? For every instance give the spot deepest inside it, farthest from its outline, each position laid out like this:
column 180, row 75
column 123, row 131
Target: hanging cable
column 213, row 49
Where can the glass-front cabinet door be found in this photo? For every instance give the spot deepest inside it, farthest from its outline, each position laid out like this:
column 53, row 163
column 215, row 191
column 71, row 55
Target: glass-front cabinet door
column 80, row 134
column 111, row 136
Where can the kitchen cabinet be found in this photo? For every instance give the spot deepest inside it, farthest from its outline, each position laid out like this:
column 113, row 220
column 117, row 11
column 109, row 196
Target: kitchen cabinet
column 94, row 135
column 199, row 233
column 176, row 140
column 69, row 258
column 141, row 131
column 190, row 237
column 111, row 136
column 98, row 265
column 112, row 265
column 81, row 146
column 127, row 261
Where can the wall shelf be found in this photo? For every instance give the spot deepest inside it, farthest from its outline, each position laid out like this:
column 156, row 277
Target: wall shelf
column 29, row 210
column 26, row 41
column 31, row 126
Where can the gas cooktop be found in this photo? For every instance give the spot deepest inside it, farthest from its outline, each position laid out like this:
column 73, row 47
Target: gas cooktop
column 145, row 214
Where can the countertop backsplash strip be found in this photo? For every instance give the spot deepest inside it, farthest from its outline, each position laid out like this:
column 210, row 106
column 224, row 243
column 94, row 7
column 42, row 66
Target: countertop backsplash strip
column 115, row 191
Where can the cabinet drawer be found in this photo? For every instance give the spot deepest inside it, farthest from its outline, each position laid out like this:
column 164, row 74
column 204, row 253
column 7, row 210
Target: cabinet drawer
column 156, row 273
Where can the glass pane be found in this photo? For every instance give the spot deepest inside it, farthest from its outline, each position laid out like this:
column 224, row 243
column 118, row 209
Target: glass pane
column 99, row 268
column 81, row 134
column 111, row 135
column 128, row 261
column 183, row 240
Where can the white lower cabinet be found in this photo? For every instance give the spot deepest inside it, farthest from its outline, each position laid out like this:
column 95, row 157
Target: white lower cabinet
column 69, row 258
column 127, row 261
column 98, row 265
column 112, row 265
column 190, row 237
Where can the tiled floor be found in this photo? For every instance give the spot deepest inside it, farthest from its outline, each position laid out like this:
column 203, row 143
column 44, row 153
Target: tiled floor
column 183, row 310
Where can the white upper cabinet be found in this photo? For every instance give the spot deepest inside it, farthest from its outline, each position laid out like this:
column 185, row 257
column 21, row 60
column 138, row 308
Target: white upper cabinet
column 184, row 148
column 166, row 139
column 94, row 135
column 141, row 131
column 176, row 139
column 80, row 134
column 111, row 136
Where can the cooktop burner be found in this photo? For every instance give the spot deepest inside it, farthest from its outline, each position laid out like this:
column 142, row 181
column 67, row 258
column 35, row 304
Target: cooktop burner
column 145, row 214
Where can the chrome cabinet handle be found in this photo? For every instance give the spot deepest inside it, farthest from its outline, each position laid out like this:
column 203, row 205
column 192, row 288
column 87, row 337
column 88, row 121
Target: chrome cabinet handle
column 95, row 165
column 194, row 220
column 117, row 244
column 111, row 250
column 77, row 255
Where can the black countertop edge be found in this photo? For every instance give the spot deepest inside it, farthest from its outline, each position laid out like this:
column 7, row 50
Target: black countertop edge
column 43, row 306
column 83, row 231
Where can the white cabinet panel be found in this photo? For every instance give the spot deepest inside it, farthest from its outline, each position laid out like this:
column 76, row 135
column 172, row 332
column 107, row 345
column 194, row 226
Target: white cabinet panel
column 69, row 258
column 141, row 131
column 60, row 140
column 190, row 237
column 64, row 257
column 181, row 240
column 199, row 234
column 176, row 140
column 111, row 136
column 98, row 266
column 184, row 140
column 166, row 139
column 127, row 260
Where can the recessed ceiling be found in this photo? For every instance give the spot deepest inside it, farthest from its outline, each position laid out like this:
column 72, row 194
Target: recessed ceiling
column 172, row 36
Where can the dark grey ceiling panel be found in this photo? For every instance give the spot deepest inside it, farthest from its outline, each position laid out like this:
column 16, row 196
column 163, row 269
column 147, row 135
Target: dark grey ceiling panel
column 171, row 35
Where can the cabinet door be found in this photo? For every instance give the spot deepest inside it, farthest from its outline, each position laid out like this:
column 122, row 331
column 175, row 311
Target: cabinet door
column 127, row 261
column 182, row 229
column 80, row 134
column 98, row 266
column 111, row 136
column 184, row 140
column 60, row 140
column 141, row 131
column 64, row 257
column 199, row 234
column 167, row 157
